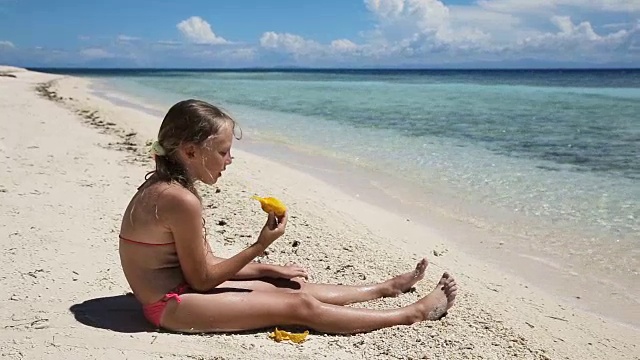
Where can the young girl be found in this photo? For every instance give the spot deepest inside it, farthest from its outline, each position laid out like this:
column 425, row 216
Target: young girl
column 184, row 287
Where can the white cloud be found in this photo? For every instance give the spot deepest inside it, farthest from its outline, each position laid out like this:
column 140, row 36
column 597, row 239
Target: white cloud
column 519, row 6
column 567, row 28
column 500, row 25
column 227, row 54
column 240, row 54
column 421, row 14
column 127, row 38
column 96, row 53
column 6, row 44
column 294, row 45
column 310, row 52
column 413, row 28
column 428, row 31
column 573, row 39
column 619, row 25
column 288, row 42
column 167, row 44
column 343, row 46
column 198, row 31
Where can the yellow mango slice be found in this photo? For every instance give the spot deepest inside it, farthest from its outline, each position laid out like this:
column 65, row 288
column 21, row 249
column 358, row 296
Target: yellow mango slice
column 298, row 338
column 271, row 204
column 281, row 335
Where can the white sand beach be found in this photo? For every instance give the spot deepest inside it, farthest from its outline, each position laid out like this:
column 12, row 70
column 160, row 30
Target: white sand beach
column 70, row 162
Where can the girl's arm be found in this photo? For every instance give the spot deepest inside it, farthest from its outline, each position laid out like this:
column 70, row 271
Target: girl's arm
column 181, row 211
column 252, row 270
column 256, row 270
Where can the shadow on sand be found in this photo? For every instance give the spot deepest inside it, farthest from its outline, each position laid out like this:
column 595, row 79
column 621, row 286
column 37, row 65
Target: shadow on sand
column 121, row 313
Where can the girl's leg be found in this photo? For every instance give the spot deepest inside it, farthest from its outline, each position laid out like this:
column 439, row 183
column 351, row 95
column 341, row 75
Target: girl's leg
column 337, row 294
column 238, row 311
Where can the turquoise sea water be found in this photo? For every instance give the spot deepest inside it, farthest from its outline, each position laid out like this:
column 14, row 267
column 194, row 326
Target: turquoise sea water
column 561, row 149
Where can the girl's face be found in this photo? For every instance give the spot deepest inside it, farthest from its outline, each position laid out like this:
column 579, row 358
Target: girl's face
column 212, row 158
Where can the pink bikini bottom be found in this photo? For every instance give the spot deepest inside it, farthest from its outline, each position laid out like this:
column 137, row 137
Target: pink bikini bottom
column 153, row 312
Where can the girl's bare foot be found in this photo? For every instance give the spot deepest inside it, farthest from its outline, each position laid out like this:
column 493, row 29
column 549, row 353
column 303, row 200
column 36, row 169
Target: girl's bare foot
column 402, row 283
column 435, row 305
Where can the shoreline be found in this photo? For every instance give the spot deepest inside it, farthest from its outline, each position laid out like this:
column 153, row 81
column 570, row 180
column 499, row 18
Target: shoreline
column 449, row 220
column 496, row 316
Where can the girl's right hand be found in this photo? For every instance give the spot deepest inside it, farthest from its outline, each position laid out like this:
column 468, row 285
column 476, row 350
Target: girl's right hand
column 273, row 229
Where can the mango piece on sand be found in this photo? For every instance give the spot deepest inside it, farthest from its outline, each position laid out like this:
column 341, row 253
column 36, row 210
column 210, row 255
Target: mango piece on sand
column 271, row 204
column 281, row 335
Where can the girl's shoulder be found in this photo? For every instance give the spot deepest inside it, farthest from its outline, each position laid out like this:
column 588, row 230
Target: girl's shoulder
column 173, row 197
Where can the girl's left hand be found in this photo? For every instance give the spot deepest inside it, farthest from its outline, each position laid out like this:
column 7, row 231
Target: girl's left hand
column 291, row 271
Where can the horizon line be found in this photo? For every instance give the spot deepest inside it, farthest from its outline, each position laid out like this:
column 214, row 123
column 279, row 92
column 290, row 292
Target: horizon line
column 300, row 68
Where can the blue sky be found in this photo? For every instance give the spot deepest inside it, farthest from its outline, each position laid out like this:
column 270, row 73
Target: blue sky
column 328, row 33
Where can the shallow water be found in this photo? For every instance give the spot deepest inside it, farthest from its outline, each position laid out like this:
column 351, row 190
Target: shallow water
column 552, row 144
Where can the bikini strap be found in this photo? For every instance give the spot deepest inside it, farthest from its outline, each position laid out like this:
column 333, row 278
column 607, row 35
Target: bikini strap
column 144, row 243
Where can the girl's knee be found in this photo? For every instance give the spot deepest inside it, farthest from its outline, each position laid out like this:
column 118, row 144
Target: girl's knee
column 306, row 305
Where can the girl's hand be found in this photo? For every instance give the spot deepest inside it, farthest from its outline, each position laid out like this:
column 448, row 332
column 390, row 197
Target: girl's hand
column 291, row 271
column 273, row 229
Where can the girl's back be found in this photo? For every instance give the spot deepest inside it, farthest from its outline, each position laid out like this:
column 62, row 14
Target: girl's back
column 147, row 249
